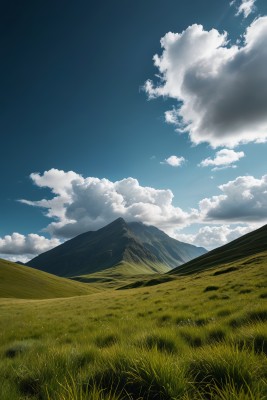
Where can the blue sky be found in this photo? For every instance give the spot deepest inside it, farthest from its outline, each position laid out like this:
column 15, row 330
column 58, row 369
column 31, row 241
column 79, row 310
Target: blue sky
column 177, row 141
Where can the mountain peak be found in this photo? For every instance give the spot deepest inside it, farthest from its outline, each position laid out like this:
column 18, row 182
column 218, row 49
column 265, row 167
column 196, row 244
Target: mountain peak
column 115, row 227
column 118, row 242
column 118, row 221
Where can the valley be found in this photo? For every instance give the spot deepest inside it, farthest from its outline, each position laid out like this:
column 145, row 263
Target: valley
column 199, row 334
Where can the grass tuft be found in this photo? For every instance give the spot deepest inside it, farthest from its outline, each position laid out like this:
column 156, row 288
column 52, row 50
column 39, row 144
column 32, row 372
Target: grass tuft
column 106, row 340
column 257, row 315
column 220, row 366
column 211, row 288
column 225, row 271
column 17, row 349
column 192, row 337
column 223, row 313
column 216, row 335
column 160, row 343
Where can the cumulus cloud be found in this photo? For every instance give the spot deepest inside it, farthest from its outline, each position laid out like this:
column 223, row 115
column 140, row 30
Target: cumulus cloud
column 220, row 89
column 242, row 200
column 224, row 158
column 60, row 183
column 81, row 204
column 20, row 247
column 245, row 7
column 174, row 161
column 211, row 237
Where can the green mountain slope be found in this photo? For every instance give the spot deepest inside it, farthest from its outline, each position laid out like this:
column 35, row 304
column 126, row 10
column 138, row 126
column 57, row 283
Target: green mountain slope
column 132, row 248
column 250, row 244
column 23, row 282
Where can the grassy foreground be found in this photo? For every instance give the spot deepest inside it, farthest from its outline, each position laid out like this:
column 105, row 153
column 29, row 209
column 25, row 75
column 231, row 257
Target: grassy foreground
column 201, row 336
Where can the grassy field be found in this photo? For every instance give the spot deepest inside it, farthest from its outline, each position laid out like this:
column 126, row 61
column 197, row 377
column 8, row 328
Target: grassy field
column 122, row 274
column 200, row 336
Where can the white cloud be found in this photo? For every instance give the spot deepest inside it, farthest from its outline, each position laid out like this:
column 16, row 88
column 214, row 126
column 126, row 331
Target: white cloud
column 246, row 7
column 174, row 161
column 60, row 183
column 211, row 237
column 221, row 89
column 21, row 247
column 82, row 204
column 242, row 200
column 224, row 158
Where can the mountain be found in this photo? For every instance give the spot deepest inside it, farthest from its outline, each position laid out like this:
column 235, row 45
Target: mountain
column 251, row 244
column 17, row 281
column 133, row 248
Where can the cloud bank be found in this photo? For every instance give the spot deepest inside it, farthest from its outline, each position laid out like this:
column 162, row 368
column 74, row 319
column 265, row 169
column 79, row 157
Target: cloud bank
column 82, row 204
column 29, row 246
column 214, row 236
column 243, row 200
column 220, row 89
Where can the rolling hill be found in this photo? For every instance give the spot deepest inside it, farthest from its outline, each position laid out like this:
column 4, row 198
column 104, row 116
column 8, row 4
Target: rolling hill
column 251, row 244
column 195, row 337
column 17, row 281
column 129, row 248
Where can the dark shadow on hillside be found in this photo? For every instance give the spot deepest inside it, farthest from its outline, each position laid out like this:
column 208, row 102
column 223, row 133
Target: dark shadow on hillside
column 150, row 282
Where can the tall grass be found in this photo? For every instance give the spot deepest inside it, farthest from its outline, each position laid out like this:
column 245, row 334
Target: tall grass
column 165, row 342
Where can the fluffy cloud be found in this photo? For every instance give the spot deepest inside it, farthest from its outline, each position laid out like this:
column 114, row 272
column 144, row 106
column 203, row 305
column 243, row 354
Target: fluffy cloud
column 211, row 237
column 82, row 204
column 60, row 183
column 23, row 246
column 243, row 200
column 174, row 161
column 221, row 89
column 224, row 158
column 246, row 7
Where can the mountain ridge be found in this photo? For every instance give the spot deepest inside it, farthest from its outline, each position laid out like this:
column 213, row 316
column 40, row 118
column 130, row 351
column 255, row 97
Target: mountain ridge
column 252, row 243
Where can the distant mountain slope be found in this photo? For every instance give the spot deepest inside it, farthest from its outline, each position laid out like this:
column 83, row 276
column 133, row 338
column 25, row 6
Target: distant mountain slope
column 133, row 248
column 167, row 250
column 250, row 244
column 17, row 281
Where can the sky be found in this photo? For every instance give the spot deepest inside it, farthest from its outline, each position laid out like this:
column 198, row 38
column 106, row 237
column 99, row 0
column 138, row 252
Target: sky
column 154, row 111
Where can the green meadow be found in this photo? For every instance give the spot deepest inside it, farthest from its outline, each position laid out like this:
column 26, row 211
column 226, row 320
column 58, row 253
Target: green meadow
column 198, row 336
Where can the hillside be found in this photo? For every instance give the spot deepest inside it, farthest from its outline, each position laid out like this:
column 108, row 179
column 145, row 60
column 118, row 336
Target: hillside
column 193, row 337
column 17, row 281
column 250, row 244
column 131, row 248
